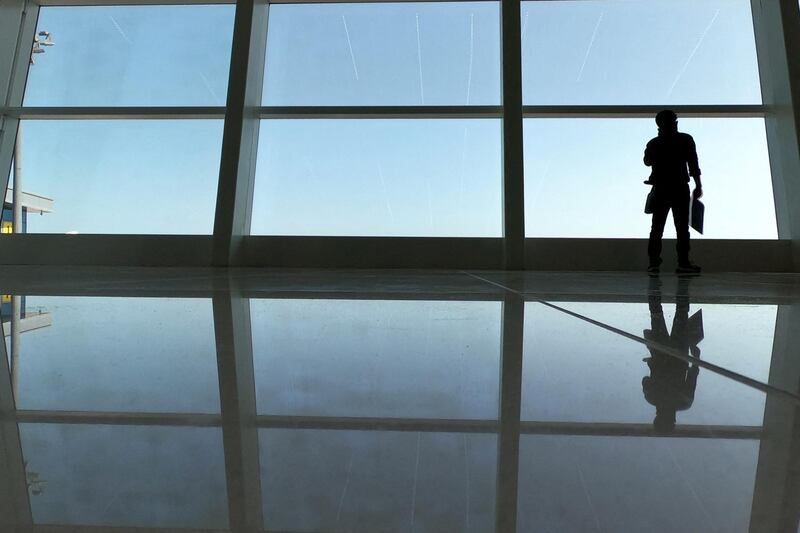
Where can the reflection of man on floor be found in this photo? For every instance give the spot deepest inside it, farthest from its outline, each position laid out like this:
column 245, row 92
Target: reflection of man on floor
column 671, row 384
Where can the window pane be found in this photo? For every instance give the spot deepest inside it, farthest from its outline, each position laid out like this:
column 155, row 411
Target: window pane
column 133, row 56
column 583, row 178
column 423, row 178
column 144, row 476
column 573, row 371
column 383, row 54
column 639, row 52
column 369, row 481
column 401, row 359
column 121, row 176
column 116, row 354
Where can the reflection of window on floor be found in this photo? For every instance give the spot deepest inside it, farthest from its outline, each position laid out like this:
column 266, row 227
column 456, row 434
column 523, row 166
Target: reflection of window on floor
column 31, row 318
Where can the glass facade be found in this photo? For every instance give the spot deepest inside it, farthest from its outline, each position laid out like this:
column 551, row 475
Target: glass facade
column 385, row 119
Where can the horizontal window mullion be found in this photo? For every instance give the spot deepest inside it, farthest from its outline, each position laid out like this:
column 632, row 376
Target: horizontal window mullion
column 68, row 3
column 370, row 1
column 79, row 3
column 116, row 113
column 642, row 111
column 350, row 112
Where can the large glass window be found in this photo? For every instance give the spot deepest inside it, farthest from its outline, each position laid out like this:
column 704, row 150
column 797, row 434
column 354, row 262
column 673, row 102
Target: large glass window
column 392, row 177
column 122, row 176
column 629, row 52
column 365, row 177
column 98, row 174
column 133, row 56
column 383, row 54
column 583, row 177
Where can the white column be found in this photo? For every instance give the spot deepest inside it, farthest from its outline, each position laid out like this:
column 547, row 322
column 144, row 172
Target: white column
column 17, row 28
column 17, row 196
column 240, row 133
column 513, row 173
column 777, row 32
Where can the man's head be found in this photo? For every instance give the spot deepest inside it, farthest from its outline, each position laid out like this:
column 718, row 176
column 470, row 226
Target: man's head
column 667, row 120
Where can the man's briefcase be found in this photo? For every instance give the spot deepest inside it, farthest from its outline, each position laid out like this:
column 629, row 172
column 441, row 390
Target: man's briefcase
column 697, row 215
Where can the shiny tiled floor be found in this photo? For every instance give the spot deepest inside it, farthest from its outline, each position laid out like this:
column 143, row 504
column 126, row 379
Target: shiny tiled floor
column 258, row 400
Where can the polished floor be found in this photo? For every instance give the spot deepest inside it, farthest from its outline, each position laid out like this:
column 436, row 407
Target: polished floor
column 398, row 401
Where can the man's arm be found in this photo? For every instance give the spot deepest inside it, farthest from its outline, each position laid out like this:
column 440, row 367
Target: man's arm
column 649, row 155
column 694, row 167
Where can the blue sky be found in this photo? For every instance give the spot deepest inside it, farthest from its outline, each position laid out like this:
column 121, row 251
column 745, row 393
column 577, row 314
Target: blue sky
column 394, row 177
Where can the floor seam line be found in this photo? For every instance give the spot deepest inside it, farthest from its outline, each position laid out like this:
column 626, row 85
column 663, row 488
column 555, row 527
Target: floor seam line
column 735, row 376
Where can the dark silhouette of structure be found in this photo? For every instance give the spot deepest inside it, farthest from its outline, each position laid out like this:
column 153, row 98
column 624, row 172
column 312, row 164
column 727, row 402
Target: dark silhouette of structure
column 673, row 158
column 671, row 385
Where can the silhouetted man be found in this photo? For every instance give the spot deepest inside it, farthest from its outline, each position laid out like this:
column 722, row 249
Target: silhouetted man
column 671, row 385
column 673, row 157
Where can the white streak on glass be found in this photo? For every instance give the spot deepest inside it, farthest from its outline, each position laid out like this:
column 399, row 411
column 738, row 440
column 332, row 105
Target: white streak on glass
column 120, row 30
column 691, row 56
column 523, row 39
column 430, row 203
column 591, row 44
column 471, row 52
column 209, row 87
column 462, row 171
column 385, row 194
column 538, row 184
column 350, row 47
column 419, row 61
column 311, row 171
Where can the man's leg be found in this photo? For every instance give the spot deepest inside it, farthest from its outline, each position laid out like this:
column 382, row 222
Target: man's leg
column 660, row 212
column 680, row 215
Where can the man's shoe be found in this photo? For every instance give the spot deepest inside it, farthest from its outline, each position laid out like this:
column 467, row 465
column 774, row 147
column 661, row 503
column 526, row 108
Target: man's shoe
column 687, row 268
column 653, row 269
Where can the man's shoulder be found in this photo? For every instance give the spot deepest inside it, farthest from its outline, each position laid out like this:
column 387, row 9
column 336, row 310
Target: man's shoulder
column 686, row 137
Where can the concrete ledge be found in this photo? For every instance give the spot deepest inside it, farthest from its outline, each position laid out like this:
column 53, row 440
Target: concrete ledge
column 631, row 255
column 373, row 252
column 387, row 252
column 105, row 250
